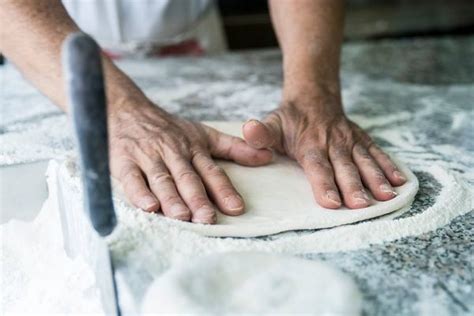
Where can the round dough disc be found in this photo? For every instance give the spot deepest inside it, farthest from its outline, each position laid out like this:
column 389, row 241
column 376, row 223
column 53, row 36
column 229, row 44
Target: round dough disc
column 246, row 282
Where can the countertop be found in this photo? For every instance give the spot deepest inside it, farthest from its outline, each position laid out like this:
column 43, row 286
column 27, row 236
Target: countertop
column 413, row 96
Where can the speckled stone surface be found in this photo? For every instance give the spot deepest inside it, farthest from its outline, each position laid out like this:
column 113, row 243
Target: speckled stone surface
column 414, row 97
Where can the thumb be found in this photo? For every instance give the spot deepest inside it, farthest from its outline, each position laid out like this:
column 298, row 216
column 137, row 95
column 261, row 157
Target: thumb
column 263, row 134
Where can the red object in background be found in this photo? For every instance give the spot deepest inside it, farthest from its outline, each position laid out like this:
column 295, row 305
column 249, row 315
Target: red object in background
column 111, row 55
column 189, row 47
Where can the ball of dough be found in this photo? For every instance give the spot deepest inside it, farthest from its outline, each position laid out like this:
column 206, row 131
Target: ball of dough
column 244, row 282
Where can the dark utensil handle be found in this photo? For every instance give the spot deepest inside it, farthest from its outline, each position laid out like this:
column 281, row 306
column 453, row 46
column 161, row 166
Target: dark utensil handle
column 87, row 104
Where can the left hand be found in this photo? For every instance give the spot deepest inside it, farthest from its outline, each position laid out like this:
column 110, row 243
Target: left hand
column 337, row 156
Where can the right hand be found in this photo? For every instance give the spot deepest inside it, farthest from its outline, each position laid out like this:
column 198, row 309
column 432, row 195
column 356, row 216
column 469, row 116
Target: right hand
column 164, row 162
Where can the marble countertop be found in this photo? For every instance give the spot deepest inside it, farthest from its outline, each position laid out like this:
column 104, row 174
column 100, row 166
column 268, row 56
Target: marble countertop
column 415, row 97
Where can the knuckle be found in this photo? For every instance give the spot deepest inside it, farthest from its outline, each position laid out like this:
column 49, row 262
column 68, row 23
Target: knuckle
column 390, row 169
column 199, row 201
column 236, row 141
column 355, row 186
column 347, row 166
column 315, row 157
column 133, row 189
column 362, row 153
column 378, row 173
column 339, row 152
column 130, row 175
column 326, row 185
column 380, row 153
column 366, row 159
column 340, row 132
column 187, row 176
column 170, row 199
column 349, row 175
column 159, row 177
column 273, row 116
column 367, row 140
column 139, row 194
column 385, row 156
column 362, row 136
column 323, row 165
column 379, row 177
column 214, row 169
column 124, row 171
column 375, row 149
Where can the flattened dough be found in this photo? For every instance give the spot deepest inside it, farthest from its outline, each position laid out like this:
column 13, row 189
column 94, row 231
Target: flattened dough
column 278, row 198
column 242, row 283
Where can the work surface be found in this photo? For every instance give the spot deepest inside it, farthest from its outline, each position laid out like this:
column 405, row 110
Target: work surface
column 414, row 97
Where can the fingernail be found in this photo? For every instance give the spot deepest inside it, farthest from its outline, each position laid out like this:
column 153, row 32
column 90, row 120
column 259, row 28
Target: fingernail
column 397, row 174
column 387, row 189
column 333, row 196
column 204, row 215
column 234, row 203
column 148, row 202
column 252, row 122
column 361, row 198
column 179, row 211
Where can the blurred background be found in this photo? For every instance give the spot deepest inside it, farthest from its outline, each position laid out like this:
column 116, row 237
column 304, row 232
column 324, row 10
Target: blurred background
column 365, row 20
column 247, row 24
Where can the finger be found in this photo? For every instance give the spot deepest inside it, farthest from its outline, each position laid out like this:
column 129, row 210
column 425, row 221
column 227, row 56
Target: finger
column 319, row 172
column 348, row 179
column 135, row 187
column 191, row 189
column 218, row 185
column 163, row 187
column 233, row 148
column 372, row 175
column 388, row 167
column 265, row 134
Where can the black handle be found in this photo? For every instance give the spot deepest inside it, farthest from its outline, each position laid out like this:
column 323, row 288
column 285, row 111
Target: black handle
column 87, row 104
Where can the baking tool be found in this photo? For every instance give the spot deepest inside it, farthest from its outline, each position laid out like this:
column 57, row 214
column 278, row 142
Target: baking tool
column 87, row 103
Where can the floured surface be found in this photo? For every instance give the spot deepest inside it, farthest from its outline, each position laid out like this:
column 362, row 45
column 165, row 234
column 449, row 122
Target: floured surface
column 416, row 263
column 278, row 198
column 240, row 283
column 37, row 277
column 164, row 238
column 145, row 245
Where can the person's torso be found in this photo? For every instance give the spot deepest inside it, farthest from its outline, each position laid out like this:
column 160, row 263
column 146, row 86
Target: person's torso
column 116, row 23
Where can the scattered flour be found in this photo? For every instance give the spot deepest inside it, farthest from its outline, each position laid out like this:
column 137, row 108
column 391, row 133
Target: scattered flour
column 161, row 243
column 37, row 277
column 253, row 283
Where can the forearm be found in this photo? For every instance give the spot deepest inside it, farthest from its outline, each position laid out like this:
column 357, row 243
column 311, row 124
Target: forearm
column 32, row 33
column 310, row 35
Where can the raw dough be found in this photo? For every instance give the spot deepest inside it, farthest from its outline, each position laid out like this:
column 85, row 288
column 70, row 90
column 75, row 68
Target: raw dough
column 278, row 198
column 252, row 283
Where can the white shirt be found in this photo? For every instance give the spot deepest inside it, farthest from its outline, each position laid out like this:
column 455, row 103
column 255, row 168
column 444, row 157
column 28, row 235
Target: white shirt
column 127, row 24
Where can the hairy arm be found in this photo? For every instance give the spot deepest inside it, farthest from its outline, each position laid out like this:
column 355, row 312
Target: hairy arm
column 31, row 35
column 310, row 35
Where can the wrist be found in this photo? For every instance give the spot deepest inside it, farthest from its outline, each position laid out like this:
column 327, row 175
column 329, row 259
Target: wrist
column 309, row 87
column 321, row 98
column 321, row 93
column 131, row 109
column 311, row 79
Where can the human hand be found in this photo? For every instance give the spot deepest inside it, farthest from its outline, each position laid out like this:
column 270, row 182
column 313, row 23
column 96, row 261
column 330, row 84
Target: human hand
column 337, row 156
column 163, row 162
